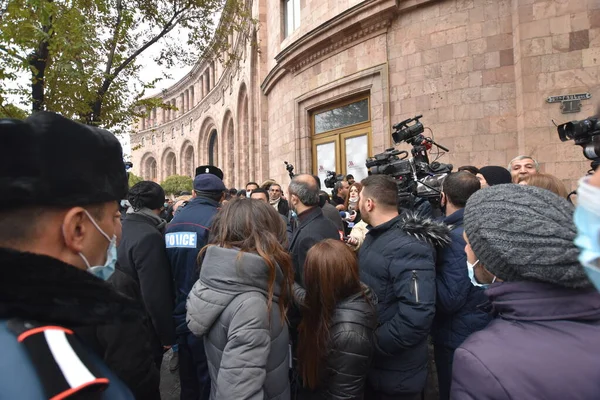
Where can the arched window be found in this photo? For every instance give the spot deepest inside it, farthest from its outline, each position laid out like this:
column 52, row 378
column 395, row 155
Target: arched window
column 191, row 124
column 163, row 136
column 173, row 133
column 153, row 139
column 143, row 142
column 182, row 130
column 213, row 148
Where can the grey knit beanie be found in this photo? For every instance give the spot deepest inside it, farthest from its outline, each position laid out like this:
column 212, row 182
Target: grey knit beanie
column 524, row 233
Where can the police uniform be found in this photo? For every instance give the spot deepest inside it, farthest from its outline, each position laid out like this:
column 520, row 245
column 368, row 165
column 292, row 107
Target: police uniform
column 185, row 236
column 49, row 161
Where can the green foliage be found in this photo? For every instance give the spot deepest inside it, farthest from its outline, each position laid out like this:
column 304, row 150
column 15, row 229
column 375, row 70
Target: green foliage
column 133, row 179
column 11, row 111
column 82, row 55
column 176, row 184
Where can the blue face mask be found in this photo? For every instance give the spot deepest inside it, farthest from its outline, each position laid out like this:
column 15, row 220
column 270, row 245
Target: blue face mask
column 587, row 220
column 103, row 271
column 471, row 269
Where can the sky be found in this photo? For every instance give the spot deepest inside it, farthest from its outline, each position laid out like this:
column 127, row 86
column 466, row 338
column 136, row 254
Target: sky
column 151, row 70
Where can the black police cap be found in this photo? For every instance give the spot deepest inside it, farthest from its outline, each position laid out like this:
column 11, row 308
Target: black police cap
column 209, row 169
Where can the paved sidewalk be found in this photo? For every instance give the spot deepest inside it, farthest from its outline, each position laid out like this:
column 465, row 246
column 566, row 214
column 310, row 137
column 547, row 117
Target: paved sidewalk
column 169, row 381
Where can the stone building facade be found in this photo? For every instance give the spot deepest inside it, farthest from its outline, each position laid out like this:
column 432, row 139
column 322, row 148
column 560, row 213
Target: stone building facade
column 323, row 81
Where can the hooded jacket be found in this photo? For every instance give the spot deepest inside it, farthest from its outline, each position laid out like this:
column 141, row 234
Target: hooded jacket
column 397, row 261
column 541, row 345
column 457, row 314
column 42, row 290
column 247, row 348
column 351, row 348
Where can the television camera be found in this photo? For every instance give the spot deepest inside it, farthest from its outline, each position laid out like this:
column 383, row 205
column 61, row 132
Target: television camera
column 418, row 179
column 586, row 134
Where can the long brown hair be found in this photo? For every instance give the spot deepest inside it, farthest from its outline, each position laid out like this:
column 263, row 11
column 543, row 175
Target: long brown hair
column 330, row 275
column 253, row 226
column 347, row 201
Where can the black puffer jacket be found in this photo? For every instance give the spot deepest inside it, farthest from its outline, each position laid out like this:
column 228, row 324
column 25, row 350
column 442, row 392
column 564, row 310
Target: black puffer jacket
column 397, row 261
column 351, row 349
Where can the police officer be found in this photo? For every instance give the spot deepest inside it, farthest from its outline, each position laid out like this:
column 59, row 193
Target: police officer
column 185, row 236
column 59, row 226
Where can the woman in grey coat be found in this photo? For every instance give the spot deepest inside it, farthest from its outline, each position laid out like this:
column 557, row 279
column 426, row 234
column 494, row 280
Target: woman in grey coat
column 240, row 301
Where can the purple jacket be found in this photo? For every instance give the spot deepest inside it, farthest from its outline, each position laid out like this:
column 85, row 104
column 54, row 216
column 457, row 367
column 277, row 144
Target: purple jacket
column 543, row 344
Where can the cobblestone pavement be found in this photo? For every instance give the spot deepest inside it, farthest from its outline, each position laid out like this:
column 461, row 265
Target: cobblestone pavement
column 169, row 381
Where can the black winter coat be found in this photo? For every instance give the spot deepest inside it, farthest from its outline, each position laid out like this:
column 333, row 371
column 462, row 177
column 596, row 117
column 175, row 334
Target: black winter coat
column 457, row 314
column 397, row 261
column 332, row 214
column 142, row 255
column 46, row 291
column 283, row 207
column 127, row 348
column 312, row 228
column 351, row 350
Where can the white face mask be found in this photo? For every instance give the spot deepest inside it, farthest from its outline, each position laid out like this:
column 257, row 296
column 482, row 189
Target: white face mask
column 103, row 271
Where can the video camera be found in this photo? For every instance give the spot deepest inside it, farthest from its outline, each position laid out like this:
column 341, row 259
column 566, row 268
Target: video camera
column 290, row 169
column 586, row 134
column 332, row 178
column 416, row 177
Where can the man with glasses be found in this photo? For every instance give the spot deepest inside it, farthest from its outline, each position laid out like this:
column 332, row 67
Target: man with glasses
column 275, row 199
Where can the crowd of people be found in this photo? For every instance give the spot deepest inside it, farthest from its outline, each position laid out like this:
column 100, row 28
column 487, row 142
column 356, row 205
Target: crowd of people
column 266, row 294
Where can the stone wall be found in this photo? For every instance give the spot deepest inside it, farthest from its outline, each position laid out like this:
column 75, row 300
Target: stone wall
column 479, row 71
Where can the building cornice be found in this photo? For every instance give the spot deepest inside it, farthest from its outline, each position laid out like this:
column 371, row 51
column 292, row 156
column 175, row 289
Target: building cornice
column 356, row 24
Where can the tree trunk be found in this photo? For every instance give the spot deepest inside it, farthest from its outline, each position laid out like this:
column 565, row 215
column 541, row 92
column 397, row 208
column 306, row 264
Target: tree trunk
column 38, row 61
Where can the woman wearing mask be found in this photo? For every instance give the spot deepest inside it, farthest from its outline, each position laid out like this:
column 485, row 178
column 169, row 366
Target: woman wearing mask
column 541, row 343
column 352, row 213
column 336, row 336
column 357, row 227
column 240, row 301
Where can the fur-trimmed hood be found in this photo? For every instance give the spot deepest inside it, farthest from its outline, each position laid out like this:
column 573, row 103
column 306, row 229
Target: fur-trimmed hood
column 436, row 233
column 47, row 290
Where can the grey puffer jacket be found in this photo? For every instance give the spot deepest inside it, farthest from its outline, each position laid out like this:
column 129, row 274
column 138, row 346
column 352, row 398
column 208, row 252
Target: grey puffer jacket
column 247, row 350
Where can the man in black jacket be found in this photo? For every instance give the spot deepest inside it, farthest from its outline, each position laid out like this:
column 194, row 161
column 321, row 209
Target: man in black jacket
column 142, row 255
column 312, row 224
column 457, row 315
column 397, row 262
column 275, row 199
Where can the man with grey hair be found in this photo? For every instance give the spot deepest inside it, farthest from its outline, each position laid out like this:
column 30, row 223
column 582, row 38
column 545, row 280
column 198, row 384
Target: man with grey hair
column 522, row 167
column 313, row 226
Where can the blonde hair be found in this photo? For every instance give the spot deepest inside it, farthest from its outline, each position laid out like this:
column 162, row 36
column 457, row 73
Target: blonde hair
column 548, row 182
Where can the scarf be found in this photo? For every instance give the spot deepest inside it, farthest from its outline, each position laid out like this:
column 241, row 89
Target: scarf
column 275, row 203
